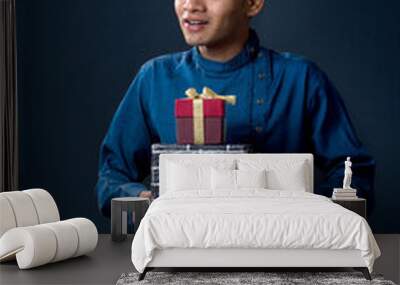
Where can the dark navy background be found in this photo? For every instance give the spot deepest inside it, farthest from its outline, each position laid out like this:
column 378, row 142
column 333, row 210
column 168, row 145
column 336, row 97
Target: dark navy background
column 76, row 58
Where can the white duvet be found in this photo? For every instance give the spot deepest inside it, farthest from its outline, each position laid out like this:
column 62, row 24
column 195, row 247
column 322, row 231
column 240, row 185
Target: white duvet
column 252, row 218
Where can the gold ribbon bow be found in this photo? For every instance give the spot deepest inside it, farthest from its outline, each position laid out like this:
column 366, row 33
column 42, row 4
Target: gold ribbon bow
column 198, row 114
column 210, row 94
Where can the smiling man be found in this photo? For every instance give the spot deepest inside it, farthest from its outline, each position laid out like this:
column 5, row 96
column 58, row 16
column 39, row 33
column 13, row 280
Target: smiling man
column 218, row 28
column 285, row 104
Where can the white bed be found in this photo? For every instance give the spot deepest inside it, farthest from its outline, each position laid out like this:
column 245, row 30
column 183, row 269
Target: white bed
column 282, row 224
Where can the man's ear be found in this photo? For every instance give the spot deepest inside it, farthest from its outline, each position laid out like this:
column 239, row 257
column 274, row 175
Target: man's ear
column 254, row 7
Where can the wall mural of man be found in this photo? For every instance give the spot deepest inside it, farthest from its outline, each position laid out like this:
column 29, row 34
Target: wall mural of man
column 285, row 103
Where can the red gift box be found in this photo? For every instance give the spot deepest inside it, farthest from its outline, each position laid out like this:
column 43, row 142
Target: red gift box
column 212, row 125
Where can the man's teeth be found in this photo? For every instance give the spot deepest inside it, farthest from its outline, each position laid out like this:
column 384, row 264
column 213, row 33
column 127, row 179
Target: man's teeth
column 196, row 22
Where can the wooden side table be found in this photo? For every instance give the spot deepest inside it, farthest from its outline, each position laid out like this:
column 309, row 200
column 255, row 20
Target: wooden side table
column 121, row 208
column 358, row 205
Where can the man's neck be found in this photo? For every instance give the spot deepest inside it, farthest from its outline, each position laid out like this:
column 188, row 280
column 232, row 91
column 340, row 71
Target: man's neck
column 226, row 51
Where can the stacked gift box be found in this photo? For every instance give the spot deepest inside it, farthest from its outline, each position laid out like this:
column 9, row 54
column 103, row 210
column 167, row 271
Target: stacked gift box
column 157, row 149
column 200, row 118
column 200, row 128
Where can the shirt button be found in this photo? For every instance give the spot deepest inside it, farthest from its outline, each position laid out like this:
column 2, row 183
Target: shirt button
column 261, row 75
column 258, row 129
column 260, row 101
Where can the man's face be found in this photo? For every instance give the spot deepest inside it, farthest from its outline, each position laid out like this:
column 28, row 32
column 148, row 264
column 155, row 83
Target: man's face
column 211, row 22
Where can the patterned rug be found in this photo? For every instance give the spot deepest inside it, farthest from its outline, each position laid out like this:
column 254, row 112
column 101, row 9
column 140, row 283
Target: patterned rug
column 244, row 278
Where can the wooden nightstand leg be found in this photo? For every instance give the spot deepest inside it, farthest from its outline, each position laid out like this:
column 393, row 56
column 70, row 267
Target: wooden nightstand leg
column 364, row 271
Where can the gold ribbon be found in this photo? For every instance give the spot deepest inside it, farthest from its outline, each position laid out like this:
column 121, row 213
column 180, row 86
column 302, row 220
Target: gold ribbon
column 198, row 112
column 210, row 94
column 198, row 121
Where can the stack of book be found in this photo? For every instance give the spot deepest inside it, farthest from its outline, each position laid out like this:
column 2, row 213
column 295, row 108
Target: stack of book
column 344, row 194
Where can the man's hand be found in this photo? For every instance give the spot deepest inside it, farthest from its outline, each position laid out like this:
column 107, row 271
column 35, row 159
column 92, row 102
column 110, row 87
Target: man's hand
column 146, row 194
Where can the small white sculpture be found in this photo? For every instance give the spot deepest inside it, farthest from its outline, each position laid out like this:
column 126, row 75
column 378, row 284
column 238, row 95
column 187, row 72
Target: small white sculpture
column 347, row 174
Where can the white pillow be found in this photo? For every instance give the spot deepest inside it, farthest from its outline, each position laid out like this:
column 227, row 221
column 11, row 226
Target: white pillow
column 236, row 179
column 281, row 174
column 251, row 178
column 290, row 179
column 223, row 179
column 184, row 176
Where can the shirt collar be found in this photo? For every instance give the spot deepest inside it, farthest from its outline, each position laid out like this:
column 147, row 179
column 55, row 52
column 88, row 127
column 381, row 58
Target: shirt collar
column 248, row 53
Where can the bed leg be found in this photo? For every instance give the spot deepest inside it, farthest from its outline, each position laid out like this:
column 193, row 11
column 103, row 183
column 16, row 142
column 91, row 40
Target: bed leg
column 364, row 271
column 143, row 274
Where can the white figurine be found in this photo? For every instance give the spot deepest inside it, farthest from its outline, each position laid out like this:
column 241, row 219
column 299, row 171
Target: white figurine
column 347, row 174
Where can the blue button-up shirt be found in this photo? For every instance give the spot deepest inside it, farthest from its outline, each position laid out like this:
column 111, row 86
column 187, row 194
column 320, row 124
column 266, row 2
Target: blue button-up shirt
column 285, row 104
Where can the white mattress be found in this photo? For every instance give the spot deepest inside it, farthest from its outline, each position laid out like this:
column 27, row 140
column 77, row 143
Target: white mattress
column 252, row 219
